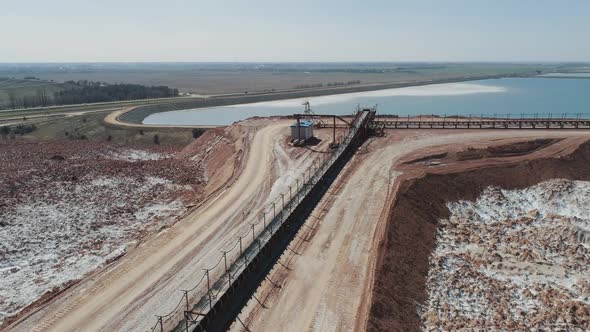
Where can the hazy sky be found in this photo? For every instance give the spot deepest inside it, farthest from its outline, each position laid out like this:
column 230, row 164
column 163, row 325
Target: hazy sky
column 294, row 30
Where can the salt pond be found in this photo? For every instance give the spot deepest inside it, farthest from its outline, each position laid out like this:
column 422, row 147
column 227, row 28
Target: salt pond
column 500, row 97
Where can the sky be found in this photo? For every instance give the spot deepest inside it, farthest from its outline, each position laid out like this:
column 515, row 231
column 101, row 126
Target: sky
column 294, row 30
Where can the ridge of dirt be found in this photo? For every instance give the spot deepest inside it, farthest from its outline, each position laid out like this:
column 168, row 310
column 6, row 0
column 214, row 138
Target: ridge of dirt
column 514, row 149
column 410, row 234
column 219, row 152
column 472, row 153
column 427, row 158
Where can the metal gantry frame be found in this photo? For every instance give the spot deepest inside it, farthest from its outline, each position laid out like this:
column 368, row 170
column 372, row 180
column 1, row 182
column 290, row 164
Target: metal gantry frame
column 298, row 118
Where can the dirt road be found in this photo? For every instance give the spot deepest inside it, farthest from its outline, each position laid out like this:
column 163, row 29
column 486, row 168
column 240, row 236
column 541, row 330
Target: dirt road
column 327, row 283
column 147, row 280
column 326, row 286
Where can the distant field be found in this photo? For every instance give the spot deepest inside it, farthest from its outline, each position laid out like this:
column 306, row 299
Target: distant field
column 219, row 78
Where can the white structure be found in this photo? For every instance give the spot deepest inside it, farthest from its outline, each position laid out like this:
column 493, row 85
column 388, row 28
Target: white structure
column 305, row 130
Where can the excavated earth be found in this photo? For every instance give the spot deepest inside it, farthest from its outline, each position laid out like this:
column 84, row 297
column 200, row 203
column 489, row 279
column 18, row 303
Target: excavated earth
column 369, row 257
column 486, row 238
column 69, row 208
column 236, row 172
column 363, row 258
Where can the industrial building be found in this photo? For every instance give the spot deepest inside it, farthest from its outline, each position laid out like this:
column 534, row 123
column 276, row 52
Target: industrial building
column 301, row 131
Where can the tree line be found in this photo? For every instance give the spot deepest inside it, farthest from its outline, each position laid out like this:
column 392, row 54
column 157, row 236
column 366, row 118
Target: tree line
column 81, row 92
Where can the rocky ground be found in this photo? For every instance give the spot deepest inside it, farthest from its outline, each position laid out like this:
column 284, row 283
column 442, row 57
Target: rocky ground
column 513, row 259
column 69, row 207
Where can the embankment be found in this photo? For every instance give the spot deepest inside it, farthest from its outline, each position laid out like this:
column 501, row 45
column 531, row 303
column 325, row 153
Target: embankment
column 410, row 236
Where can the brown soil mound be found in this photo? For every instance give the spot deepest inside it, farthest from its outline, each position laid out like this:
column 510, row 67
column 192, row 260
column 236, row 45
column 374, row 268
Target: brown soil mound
column 504, row 150
column 514, row 149
column 26, row 167
column 219, row 154
column 402, row 266
column 427, row 158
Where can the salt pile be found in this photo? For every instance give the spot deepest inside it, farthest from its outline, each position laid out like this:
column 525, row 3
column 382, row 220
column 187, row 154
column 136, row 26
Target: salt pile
column 514, row 259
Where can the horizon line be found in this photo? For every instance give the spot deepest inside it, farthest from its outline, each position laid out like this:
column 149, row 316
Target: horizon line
column 309, row 62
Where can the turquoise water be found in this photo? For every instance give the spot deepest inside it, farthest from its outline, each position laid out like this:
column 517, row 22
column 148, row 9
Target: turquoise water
column 500, row 97
column 582, row 75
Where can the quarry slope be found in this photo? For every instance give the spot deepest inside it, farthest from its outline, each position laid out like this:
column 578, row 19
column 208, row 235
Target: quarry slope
column 426, row 235
column 326, row 282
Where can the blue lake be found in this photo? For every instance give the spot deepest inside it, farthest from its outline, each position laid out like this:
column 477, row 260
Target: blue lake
column 578, row 75
column 500, row 97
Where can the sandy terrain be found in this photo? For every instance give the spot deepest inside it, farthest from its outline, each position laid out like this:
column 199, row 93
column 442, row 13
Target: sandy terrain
column 147, row 281
column 326, row 284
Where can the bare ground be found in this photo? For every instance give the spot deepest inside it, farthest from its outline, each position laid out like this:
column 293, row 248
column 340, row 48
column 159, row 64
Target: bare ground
column 403, row 265
column 244, row 167
column 325, row 283
column 69, row 207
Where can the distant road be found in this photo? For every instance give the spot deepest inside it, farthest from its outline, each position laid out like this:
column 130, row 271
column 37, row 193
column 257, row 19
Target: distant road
column 87, row 107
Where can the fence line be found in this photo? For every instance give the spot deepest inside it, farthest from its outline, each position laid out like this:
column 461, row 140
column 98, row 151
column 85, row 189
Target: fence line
column 198, row 301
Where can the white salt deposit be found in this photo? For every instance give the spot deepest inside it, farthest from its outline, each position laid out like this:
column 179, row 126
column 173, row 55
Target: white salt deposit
column 127, row 154
column 159, row 210
column 448, row 89
column 57, row 237
column 513, row 259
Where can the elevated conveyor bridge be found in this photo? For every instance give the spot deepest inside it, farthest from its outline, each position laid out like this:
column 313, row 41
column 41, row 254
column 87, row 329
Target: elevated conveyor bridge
column 549, row 121
column 223, row 289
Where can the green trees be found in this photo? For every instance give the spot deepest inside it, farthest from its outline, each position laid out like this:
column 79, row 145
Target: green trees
column 82, row 92
column 96, row 92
